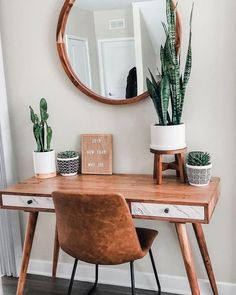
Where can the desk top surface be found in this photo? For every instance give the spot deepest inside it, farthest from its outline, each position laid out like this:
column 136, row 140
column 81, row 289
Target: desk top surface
column 141, row 188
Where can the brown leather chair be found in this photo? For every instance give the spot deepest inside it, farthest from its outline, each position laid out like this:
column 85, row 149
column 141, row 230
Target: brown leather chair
column 98, row 229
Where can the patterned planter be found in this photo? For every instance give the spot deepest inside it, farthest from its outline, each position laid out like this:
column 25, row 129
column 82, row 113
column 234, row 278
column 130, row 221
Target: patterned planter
column 199, row 175
column 69, row 166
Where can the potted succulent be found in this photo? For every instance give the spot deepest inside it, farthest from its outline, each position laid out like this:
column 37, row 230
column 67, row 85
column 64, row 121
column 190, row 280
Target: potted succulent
column 168, row 90
column 68, row 163
column 198, row 166
column 44, row 156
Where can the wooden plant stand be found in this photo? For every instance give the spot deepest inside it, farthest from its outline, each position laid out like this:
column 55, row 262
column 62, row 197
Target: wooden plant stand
column 160, row 166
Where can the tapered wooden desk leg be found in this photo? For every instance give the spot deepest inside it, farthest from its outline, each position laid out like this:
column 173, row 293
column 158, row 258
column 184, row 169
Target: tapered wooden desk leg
column 205, row 255
column 188, row 258
column 29, row 236
column 55, row 254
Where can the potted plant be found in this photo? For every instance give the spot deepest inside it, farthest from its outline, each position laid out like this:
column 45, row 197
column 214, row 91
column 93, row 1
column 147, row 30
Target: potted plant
column 168, row 90
column 44, row 156
column 198, row 166
column 68, row 163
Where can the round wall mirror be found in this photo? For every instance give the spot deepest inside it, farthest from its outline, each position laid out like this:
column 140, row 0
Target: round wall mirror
column 106, row 47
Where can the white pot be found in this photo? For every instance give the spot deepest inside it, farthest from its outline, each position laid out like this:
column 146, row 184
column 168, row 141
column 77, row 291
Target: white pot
column 170, row 137
column 199, row 175
column 44, row 164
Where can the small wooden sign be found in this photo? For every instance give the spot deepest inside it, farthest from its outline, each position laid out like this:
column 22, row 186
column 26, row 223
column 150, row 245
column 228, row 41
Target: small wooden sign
column 96, row 153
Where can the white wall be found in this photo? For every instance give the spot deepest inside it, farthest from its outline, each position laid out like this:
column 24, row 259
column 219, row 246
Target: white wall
column 33, row 70
column 102, row 18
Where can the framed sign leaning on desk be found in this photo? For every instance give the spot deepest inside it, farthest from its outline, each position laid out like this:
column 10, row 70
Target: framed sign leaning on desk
column 96, row 153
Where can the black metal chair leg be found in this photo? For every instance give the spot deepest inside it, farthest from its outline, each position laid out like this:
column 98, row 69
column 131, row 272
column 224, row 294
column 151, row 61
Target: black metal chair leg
column 132, row 277
column 72, row 277
column 155, row 272
column 96, row 281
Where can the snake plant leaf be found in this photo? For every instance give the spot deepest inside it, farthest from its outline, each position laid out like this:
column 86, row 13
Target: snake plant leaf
column 49, row 137
column 156, row 99
column 170, row 16
column 165, row 95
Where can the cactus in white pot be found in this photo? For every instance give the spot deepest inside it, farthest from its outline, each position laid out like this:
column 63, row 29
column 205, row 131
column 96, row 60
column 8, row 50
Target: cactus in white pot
column 44, row 156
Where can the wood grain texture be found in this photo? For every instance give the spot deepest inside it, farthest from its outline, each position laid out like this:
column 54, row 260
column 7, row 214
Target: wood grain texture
column 29, row 236
column 96, row 153
column 188, row 257
column 205, row 256
column 41, row 285
column 135, row 188
column 62, row 52
column 160, row 166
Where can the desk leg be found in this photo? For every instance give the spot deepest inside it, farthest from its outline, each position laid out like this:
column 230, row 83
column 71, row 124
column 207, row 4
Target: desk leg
column 55, row 254
column 188, row 258
column 29, row 237
column 205, row 255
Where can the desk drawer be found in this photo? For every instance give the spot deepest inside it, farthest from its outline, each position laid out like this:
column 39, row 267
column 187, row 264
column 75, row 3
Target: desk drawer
column 168, row 211
column 27, row 201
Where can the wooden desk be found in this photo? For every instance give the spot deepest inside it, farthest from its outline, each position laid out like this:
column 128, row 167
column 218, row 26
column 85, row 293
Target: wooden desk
column 171, row 202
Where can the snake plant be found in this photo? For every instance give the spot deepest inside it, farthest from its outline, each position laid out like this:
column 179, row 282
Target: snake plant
column 198, row 159
column 42, row 132
column 169, row 89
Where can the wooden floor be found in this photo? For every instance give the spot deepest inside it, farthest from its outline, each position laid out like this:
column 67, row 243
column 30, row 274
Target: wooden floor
column 39, row 285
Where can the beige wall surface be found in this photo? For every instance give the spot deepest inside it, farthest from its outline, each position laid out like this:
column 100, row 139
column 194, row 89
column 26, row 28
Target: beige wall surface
column 33, row 70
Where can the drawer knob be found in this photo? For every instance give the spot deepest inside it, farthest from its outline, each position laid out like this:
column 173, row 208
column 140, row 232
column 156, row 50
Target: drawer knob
column 29, row 202
column 167, row 210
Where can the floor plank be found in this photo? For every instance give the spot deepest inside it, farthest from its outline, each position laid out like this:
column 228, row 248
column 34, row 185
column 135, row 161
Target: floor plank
column 40, row 285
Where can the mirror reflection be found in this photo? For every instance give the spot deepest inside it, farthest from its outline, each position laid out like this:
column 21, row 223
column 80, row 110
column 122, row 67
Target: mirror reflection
column 111, row 44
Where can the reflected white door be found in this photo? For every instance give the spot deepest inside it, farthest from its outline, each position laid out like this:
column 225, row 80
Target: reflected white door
column 116, row 59
column 78, row 53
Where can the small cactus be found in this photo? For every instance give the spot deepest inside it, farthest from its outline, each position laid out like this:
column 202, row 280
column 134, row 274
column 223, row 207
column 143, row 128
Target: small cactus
column 67, row 155
column 42, row 132
column 198, row 158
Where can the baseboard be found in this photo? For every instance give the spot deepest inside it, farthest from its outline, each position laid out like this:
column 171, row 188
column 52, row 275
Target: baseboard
column 118, row 277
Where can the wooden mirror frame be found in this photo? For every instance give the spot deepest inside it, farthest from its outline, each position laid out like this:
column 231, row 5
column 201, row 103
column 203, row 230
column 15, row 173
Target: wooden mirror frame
column 61, row 47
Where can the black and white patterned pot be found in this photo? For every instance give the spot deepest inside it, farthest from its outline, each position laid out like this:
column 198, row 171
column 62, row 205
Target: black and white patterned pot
column 199, row 175
column 68, row 167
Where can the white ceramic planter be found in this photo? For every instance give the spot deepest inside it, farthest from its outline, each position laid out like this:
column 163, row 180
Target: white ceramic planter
column 199, row 175
column 68, row 167
column 44, row 164
column 168, row 137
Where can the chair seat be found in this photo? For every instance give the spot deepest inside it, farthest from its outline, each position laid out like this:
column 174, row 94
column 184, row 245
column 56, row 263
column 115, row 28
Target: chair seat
column 146, row 238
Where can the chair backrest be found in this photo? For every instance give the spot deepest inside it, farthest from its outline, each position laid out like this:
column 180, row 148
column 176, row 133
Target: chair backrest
column 96, row 228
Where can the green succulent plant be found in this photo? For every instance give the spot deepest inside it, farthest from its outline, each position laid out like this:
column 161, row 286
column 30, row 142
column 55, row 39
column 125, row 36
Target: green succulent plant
column 67, row 155
column 42, row 132
column 170, row 87
column 198, row 158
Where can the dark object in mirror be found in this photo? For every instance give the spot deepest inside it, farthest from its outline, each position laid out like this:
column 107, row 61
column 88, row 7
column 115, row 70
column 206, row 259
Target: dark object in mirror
column 131, row 88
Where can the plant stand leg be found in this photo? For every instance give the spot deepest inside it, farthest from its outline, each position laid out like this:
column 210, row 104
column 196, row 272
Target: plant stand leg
column 159, row 168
